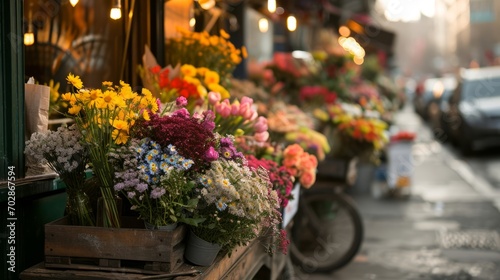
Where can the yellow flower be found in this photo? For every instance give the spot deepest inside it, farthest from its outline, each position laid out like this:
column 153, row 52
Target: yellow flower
column 75, row 81
column 127, row 93
column 123, row 84
column 69, row 97
column 107, row 84
column 147, row 93
column 224, row 34
column 214, row 40
column 188, row 70
column 224, row 94
column 109, row 100
column 202, row 91
column 74, row 110
column 119, row 136
column 211, row 77
column 192, row 80
column 244, row 52
column 202, row 70
column 145, row 115
column 235, row 58
column 120, row 125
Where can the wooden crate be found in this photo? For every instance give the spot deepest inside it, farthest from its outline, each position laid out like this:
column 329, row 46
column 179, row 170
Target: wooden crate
column 128, row 249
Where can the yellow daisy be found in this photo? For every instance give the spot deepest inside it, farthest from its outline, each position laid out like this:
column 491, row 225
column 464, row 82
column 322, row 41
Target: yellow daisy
column 75, row 81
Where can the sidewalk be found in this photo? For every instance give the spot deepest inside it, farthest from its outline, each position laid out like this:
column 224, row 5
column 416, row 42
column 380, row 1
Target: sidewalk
column 448, row 229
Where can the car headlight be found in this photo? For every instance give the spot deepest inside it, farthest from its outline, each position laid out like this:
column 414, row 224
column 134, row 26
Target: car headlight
column 469, row 112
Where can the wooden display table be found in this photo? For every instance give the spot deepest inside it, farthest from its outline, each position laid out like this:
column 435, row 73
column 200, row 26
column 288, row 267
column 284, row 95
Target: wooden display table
column 244, row 263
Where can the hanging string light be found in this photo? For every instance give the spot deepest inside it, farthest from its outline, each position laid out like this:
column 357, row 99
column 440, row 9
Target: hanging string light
column 116, row 10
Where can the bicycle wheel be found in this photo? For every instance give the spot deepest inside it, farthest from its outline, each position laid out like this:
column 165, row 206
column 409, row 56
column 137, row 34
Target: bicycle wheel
column 327, row 232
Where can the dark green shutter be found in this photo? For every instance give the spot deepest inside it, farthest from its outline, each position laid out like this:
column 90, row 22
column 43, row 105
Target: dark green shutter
column 11, row 87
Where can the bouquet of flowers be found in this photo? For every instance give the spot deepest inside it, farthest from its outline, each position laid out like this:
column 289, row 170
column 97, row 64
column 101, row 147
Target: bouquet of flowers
column 288, row 124
column 104, row 117
column 64, row 154
column 238, row 203
column 192, row 48
column 185, row 80
column 279, row 175
column 176, row 168
column 155, row 182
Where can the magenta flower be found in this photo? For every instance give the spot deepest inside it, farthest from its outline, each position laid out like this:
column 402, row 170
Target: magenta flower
column 181, row 101
column 211, row 154
column 183, row 113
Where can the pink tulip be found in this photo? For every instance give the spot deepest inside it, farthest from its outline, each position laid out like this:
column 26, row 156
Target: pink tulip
column 235, row 108
column 213, row 97
column 223, row 108
column 245, row 100
column 246, row 110
column 261, row 136
column 260, row 125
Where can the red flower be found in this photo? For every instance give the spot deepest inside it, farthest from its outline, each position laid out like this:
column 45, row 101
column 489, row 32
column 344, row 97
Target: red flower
column 155, row 69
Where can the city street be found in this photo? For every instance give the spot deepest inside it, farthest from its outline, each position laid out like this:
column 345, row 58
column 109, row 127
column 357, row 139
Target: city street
column 448, row 229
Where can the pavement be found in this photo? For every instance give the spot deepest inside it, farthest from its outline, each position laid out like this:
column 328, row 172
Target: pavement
column 449, row 227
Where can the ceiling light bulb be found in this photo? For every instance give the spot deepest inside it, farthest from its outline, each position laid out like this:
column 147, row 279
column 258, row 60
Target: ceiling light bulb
column 271, row 6
column 115, row 13
column 291, row 23
column 73, row 2
column 29, row 38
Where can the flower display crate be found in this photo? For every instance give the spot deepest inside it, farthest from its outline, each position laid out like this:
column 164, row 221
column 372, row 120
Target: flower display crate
column 128, row 249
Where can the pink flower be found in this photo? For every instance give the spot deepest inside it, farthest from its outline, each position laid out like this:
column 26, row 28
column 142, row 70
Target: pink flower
column 246, row 100
column 211, row 154
column 254, row 115
column 235, row 108
column 260, row 125
column 261, row 136
column 181, row 101
column 223, row 108
column 246, row 110
column 213, row 97
column 307, row 179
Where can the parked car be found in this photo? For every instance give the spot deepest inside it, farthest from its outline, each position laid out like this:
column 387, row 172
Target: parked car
column 437, row 115
column 473, row 119
column 427, row 99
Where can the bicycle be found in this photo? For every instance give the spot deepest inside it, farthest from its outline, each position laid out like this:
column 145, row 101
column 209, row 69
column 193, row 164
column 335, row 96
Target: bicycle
column 327, row 230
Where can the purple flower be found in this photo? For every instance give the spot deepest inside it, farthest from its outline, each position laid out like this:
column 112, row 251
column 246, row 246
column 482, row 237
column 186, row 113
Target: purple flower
column 157, row 192
column 227, row 153
column 141, row 187
column 183, row 113
column 181, row 101
column 211, row 154
column 226, row 142
column 131, row 194
column 119, row 186
column 208, row 121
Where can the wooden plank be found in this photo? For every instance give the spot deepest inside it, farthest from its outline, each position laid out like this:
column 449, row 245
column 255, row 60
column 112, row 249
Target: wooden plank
column 111, row 243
